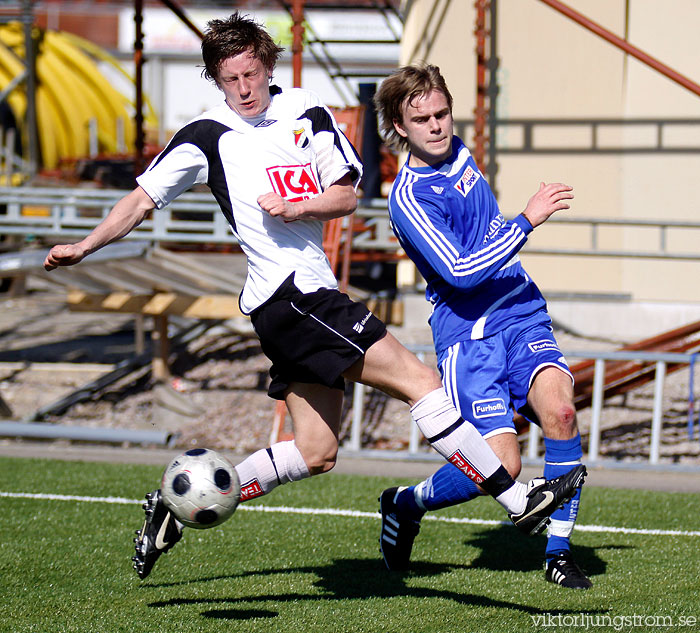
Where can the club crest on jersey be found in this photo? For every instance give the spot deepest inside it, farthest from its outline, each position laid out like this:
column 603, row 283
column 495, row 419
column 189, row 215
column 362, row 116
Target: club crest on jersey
column 300, row 138
column 488, row 408
column 294, row 182
column 467, row 181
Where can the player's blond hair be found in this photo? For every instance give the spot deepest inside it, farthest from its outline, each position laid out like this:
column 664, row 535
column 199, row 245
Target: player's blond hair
column 404, row 85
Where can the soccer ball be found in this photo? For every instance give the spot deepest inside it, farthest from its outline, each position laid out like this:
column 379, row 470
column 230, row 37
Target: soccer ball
column 201, row 488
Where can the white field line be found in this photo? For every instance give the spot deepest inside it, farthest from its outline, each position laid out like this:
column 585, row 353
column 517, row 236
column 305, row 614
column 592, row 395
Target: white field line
column 350, row 513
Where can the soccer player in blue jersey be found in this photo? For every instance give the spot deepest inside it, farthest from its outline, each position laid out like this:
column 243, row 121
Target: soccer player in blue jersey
column 493, row 337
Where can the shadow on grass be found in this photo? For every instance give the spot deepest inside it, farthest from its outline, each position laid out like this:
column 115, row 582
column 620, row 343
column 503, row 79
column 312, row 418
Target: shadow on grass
column 345, row 579
column 505, row 549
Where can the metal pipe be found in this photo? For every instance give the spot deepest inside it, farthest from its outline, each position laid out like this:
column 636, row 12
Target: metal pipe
column 30, row 62
column 493, row 90
column 297, row 41
column 358, row 397
column 138, row 81
column 183, row 17
column 691, row 395
column 85, row 434
column 414, row 433
column 597, row 406
column 480, row 110
column 533, row 441
column 615, row 40
column 657, row 416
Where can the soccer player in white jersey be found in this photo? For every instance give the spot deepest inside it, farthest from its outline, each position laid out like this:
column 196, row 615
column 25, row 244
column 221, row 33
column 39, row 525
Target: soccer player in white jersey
column 279, row 166
column 493, row 336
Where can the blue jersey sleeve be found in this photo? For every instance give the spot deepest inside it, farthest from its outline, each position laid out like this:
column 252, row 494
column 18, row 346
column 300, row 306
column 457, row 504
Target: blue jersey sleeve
column 425, row 231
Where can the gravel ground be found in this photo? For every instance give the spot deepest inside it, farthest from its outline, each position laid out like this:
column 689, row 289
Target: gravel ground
column 218, row 395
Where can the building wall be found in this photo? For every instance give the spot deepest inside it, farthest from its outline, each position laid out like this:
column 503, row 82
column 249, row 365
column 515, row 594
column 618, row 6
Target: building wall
column 551, row 67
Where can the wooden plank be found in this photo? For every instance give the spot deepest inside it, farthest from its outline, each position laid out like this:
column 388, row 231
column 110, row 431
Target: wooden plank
column 159, row 304
column 161, row 280
column 160, row 368
column 228, row 271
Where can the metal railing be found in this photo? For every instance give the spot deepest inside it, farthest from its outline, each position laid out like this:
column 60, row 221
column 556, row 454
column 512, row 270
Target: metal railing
column 414, row 449
column 571, row 136
column 56, row 212
column 196, row 218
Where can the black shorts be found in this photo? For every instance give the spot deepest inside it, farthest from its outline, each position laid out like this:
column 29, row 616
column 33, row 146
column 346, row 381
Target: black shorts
column 313, row 337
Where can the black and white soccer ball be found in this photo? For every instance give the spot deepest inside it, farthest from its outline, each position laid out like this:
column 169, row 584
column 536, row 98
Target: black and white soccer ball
column 201, row 488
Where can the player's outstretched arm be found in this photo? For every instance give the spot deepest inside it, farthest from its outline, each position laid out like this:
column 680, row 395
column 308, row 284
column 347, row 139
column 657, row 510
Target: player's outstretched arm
column 548, row 200
column 127, row 214
column 338, row 200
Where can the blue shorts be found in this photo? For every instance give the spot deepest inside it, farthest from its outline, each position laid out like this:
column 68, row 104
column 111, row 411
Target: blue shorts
column 489, row 378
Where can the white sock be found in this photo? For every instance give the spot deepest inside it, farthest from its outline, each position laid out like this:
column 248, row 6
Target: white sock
column 514, row 499
column 462, row 446
column 268, row 468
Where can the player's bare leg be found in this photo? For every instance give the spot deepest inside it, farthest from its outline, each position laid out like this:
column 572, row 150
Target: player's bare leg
column 551, row 397
column 315, row 411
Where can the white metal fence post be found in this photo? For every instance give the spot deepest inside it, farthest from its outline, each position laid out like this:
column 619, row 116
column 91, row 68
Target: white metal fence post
column 358, row 400
column 657, row 415
column 597, row 408
column 533, row 441
column 414, row 433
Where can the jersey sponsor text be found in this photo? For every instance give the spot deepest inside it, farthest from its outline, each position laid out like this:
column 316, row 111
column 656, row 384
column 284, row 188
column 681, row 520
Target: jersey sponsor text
column 294, row 182
column 542, row 346
column 250, row 490
column 467, row 181
column 488, row 408
column 458, row 460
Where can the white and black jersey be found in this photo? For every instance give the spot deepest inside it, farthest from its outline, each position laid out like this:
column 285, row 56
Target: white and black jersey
column 296, row 150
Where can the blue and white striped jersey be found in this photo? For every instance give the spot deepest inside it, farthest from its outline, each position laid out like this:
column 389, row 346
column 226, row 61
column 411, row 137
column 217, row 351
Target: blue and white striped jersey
column 296, row 150
column 448, row 222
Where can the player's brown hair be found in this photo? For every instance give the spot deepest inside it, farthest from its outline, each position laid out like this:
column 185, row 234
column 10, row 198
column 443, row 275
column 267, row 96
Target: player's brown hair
column 404, row 85
column 233, row 36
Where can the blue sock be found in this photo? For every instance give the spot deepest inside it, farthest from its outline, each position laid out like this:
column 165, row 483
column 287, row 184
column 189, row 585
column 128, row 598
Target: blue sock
column 560, row 456
column 447, row 487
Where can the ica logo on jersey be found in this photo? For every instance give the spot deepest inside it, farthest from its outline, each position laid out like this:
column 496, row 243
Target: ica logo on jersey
column 467, row 181
column 294, row 182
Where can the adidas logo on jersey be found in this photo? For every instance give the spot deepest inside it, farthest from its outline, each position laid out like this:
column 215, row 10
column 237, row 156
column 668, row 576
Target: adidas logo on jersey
column 437, row 190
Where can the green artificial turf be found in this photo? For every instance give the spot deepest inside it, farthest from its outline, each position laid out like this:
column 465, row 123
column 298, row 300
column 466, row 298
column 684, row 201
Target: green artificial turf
column 65, row 564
